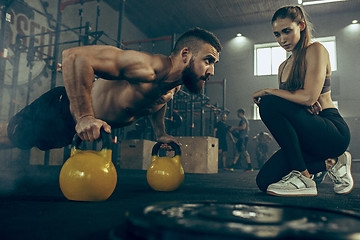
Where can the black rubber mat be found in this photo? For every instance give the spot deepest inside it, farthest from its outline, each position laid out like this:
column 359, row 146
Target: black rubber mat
column 33, row 207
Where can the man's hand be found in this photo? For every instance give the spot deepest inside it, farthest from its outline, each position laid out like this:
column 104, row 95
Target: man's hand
column 88, row 128
column 167, row 139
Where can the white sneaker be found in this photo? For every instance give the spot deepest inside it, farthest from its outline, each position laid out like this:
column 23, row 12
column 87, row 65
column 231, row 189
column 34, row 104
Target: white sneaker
column 293, row 184
column 341, row 175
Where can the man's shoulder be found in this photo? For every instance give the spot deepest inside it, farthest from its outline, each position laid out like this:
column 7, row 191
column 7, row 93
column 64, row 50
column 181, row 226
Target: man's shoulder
column 160, row 61
column 242, row 119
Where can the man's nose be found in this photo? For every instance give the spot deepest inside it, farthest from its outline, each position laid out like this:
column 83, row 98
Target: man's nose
column 211, row 70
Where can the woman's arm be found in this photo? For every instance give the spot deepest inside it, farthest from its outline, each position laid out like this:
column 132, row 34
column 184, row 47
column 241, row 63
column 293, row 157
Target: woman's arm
column 317, row 59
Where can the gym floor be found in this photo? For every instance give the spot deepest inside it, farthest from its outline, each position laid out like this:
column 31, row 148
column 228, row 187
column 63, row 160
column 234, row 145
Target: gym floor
column 33, row 207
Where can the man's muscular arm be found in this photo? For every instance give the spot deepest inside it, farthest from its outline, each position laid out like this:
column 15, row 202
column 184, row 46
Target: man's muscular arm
column 157, row 120
column 78, row 75
column 79, row 65
column 242, row 127
column 158, row 124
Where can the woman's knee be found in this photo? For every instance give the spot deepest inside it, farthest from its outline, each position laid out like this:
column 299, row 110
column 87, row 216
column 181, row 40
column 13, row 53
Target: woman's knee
column 268, row 104
column 261, row 182
column 269, row 100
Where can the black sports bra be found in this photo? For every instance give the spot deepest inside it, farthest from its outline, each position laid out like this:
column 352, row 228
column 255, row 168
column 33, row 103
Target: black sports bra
column 326, row 87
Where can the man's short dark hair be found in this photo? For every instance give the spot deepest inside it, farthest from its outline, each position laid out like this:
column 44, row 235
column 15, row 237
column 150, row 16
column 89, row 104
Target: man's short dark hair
column 191, row 39
column 241, row 110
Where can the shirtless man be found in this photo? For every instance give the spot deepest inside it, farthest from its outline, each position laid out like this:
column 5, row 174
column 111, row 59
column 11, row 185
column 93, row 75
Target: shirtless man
column 130, row 85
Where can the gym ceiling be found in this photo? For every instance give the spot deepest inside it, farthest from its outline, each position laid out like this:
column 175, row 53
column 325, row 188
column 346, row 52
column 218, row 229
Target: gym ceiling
column 164, row 17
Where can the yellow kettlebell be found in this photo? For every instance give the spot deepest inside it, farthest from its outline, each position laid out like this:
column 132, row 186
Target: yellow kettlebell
column 88, row 175
column 165, row 173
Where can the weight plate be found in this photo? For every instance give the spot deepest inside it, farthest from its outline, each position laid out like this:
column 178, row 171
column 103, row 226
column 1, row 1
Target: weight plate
column 213, row 220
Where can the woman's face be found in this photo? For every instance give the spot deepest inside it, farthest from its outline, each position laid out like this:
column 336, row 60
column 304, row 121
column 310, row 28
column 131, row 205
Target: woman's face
column 287, row 33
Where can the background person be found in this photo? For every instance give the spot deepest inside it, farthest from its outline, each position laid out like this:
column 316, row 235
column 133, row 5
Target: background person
column 242, row 133
column 221, row 130
column 262, row 147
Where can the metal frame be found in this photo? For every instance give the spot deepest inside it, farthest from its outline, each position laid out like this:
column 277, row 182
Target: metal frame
column 31, row 50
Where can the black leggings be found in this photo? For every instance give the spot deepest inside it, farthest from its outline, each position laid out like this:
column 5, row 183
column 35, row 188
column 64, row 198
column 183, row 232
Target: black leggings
column 305, row 140
column 46, row 123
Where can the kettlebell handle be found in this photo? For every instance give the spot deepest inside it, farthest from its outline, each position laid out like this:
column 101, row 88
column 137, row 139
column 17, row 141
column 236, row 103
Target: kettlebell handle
column 105, row 137
column 174, row 146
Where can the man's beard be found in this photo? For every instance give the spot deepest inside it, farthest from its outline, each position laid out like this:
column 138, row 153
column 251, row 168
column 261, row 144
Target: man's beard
column 191, row 80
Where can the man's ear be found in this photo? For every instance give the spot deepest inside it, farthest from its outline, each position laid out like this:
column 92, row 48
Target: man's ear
column 302, row 25
column 185, row 54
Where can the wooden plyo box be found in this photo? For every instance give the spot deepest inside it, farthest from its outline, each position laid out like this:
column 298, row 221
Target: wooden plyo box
column 199, row 154
column 136, row 154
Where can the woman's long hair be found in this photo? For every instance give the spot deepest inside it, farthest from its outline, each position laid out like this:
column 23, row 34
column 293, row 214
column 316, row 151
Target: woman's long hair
column 298, row 70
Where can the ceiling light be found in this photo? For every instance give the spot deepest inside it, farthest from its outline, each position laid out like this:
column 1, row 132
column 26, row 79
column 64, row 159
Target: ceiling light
column 300, row 1
column 239, row 35
column 354, row 21
column 321, row 2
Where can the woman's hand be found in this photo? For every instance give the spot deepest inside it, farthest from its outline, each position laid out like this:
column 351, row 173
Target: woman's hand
column 257, row 95
column 315, row 109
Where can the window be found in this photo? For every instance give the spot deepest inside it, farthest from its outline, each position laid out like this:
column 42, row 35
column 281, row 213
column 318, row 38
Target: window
column 336, row 103
column 256, row 115
column 330, row 45
column 269, row 56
